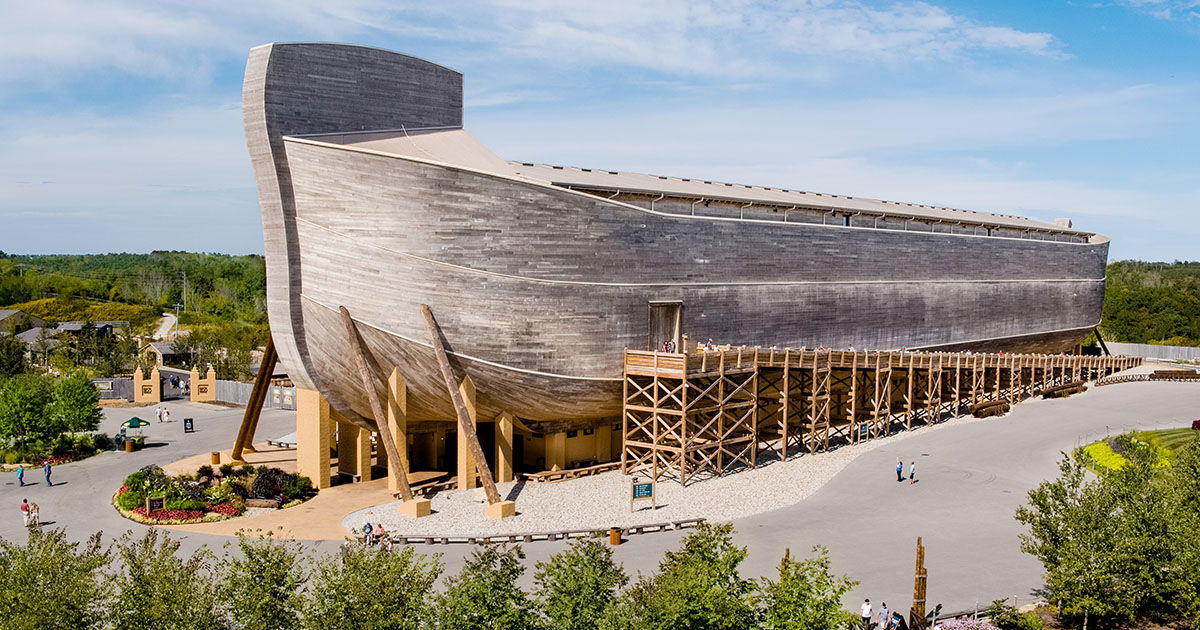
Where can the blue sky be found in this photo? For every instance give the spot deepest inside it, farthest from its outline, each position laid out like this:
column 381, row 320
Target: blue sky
column 122, row 125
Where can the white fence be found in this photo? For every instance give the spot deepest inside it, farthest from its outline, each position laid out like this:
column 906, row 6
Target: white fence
column 1173, row 353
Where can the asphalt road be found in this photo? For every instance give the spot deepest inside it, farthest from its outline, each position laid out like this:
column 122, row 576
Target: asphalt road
column 972, row 479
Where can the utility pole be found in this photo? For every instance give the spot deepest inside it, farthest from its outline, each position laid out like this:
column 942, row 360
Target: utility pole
column 177, row 307
column 185, row 292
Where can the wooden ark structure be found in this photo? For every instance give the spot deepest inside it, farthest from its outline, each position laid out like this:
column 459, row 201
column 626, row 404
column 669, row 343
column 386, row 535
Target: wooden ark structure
column 375, row 199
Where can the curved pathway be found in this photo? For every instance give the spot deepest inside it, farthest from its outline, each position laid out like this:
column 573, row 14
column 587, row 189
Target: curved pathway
column 973, row 476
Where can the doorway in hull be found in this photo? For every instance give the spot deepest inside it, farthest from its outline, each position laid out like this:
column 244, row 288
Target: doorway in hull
column 666, row 323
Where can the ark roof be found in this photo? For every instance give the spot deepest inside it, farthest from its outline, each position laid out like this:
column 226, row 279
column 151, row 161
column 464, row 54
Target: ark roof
column 456, row 147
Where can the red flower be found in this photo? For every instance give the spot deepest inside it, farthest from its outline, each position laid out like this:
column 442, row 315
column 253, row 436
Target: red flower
column 225, row 509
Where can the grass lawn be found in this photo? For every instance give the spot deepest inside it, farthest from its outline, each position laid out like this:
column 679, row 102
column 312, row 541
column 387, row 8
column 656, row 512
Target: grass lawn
column 1168, row 442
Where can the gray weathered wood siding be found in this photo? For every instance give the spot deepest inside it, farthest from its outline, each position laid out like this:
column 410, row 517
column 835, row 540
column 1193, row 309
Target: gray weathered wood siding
column 554, row 284
column 303, row 88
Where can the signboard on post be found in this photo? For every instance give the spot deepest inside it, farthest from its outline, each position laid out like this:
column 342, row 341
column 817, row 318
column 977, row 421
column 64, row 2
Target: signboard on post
column 641, row 491
column 155, row 503
column 189, row 425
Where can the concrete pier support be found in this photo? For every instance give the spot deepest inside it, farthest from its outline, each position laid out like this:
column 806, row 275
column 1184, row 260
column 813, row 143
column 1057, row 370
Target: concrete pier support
column 504, row 447
column 353, row 449
column 397, row 419
column 466, row 463
column 314, row 429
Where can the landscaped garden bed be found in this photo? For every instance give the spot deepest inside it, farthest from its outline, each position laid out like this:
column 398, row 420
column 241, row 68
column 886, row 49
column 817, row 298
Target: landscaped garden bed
column 1109, row 453
column 207, row 496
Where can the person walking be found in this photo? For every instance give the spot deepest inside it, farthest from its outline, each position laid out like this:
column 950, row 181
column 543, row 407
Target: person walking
column 25, row 512
column 866, row 614
column 912, row 473
column 166, row 415
column 47, row 469
column 35, row 514
column 21, row 476
column 158, row 413
column 885, row 616
column 899, row 470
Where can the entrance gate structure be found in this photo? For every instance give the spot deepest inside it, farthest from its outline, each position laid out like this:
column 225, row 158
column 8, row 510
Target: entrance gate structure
column 701, row 414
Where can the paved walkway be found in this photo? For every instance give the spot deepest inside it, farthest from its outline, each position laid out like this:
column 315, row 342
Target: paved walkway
column 973, row 477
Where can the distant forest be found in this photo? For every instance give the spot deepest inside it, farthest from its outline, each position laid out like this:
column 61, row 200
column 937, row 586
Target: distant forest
column 221, row 301
column 1145, row 302
column 211, row 288
column 1150, row 302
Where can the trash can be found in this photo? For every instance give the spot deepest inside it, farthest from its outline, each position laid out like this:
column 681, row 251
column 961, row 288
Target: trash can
column 128, row 445
column 614, row 535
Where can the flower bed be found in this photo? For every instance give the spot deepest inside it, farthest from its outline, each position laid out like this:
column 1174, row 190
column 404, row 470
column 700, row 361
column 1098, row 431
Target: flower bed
column 206, row 496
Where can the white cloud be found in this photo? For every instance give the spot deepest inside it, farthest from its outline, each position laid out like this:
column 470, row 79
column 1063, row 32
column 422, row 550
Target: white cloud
column 48, row 41
column 1165, row 9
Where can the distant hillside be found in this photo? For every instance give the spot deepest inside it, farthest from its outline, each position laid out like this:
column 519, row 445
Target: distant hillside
column 66, row 310
column 1148, row 302
column 216, row 288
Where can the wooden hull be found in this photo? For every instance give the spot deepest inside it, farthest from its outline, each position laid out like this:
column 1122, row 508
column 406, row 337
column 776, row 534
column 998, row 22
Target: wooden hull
column 539, row 289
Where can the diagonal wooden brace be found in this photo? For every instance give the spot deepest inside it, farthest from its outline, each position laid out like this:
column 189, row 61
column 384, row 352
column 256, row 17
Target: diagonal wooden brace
column 395, row 467
column 465, row 425
column 258, row 395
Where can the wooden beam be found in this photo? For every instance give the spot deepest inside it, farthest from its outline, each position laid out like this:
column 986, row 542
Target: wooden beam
column 466, row 427
column 358, row 349
column 262, row 383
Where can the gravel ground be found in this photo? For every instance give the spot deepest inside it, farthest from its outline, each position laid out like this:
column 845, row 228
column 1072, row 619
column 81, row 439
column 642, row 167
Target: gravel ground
column 602, row 501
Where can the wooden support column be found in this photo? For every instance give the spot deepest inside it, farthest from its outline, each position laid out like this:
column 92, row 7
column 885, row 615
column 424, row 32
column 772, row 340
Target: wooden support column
column 262, row 383
column 397, row 421
column 465, row 456
column 603, row 443
column 353, row 449
column 466, row 421
column 410, row 506
column 556, row 450
column 504, row 447
column 314, row 423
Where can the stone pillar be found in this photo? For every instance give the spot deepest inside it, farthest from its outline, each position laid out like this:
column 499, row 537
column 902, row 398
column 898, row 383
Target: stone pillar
column 314, row 426
column 353, row 449
column 466, row 463
column 504, row 447
column 556, row 451
column 203, row 389
column 603, row 436
column 397, row 419
column 147, row 390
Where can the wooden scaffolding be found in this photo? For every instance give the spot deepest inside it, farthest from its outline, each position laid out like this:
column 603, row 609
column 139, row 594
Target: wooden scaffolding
column 694, row 415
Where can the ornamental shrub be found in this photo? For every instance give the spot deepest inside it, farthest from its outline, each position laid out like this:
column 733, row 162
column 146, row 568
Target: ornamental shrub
column 485, row 593
column 51, row 583
column 262, row 585
column 130, row 500
column 157, row 588
column 575, row 586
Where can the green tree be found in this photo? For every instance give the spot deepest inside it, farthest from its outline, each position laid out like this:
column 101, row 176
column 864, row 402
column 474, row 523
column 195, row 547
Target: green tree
column 1120, row 546
column 576, row 585
column 23, row 399
column 157, row 588
column 262, row 585
column 806, row 596
column 371, row 589
column 696, row 588
column 52, row 584
column 74, row 405
column 485, row 595
column 12, row 356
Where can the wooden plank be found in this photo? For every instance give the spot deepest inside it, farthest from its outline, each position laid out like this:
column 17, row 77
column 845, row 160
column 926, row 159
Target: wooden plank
column 464, row 418
column 357, row 348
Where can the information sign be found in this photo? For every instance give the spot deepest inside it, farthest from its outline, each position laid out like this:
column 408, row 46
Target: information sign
column 155, row 503
column 641, row 491
column 189, row 425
